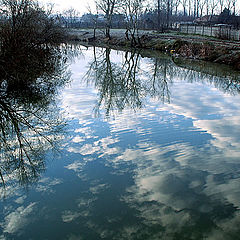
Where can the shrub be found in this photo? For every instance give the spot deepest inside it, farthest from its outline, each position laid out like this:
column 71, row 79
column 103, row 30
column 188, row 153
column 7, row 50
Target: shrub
column 24, row 24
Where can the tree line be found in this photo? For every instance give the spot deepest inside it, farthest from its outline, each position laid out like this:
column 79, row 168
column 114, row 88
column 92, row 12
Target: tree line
column 159, row 14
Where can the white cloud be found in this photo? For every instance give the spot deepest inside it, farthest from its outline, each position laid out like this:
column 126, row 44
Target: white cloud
column 17, row 220
column 78, row 139
column 98, row 188
column 21, row 199
column 75, row 166
column 86, row 149
column 46, row 185
column 225, row 133
column 69, row 216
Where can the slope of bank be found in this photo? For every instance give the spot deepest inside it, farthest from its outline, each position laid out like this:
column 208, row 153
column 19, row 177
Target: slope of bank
column 187, row 46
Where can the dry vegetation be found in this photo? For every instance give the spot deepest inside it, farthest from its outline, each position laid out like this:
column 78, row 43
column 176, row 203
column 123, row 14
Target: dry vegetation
column 179, row 45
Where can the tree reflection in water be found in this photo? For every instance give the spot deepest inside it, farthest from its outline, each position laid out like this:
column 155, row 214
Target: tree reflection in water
column 222, row 77
column 129, row 83
column 184, row 189
column 29, row 120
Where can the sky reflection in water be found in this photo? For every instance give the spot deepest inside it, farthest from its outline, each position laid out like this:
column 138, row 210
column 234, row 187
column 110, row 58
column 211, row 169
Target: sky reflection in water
column 132, row 167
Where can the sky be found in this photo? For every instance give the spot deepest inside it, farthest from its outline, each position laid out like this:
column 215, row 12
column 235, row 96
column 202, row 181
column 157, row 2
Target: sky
column 79, row 5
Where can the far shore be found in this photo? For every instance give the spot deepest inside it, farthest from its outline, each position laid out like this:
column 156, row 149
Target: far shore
column 175, row 43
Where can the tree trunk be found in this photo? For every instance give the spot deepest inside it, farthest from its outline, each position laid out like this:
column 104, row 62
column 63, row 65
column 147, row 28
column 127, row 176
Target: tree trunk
column 107, row 32
column 168, row 13
column 158, row 16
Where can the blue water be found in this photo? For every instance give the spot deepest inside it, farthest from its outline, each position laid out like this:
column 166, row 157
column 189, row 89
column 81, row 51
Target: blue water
column 148, row 159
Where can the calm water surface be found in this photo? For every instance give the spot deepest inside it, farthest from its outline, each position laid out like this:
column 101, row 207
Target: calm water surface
column 148, row 150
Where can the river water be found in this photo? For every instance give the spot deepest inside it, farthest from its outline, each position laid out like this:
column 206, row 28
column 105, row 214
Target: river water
column 148, row 149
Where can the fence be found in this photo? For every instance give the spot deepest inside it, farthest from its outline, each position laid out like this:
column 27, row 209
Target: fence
column 224, row 32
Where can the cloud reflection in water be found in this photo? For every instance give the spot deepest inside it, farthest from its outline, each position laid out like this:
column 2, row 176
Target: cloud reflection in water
column 143, row 169
column 189, row 172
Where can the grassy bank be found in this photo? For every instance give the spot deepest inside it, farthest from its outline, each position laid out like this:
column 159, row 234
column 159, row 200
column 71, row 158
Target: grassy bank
column 187, row 46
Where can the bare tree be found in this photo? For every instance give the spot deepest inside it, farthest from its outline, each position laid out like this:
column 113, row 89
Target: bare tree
column 234, row 7
column 212, row 4
column 108, row 7
column 176, row 4
column 189, row 8
column 70, row 15
column 231, row 5
column 94, row 18
column 159, row 3
column 132, row 10
column 201, row 6
column 169, row 11
column 222, row 4
column 25, row 24
column 184, row 5
column 207, row 7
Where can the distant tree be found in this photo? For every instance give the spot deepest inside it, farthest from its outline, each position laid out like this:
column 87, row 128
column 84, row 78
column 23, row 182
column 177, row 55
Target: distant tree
column 169, row 11
column 231, row 5
column 70, row 15
column 184, row 5
column 176, row 4
column 159, row 7
column 201, row 6
column 108, row 7
column 94, row 19
column 119, row 20
column 224, row 16
column 207, row 7
column 227, row 17
column 213, row 5
column 221, row 3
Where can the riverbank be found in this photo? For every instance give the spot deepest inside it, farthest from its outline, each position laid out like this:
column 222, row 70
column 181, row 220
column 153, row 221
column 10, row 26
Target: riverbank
column 187, row 46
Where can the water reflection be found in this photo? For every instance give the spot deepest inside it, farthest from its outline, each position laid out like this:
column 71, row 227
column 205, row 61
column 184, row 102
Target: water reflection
column 165, row 171
column 29, row 119
column 127, row 83
column 183, row 157
column 222, row 77
column 174, row 192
